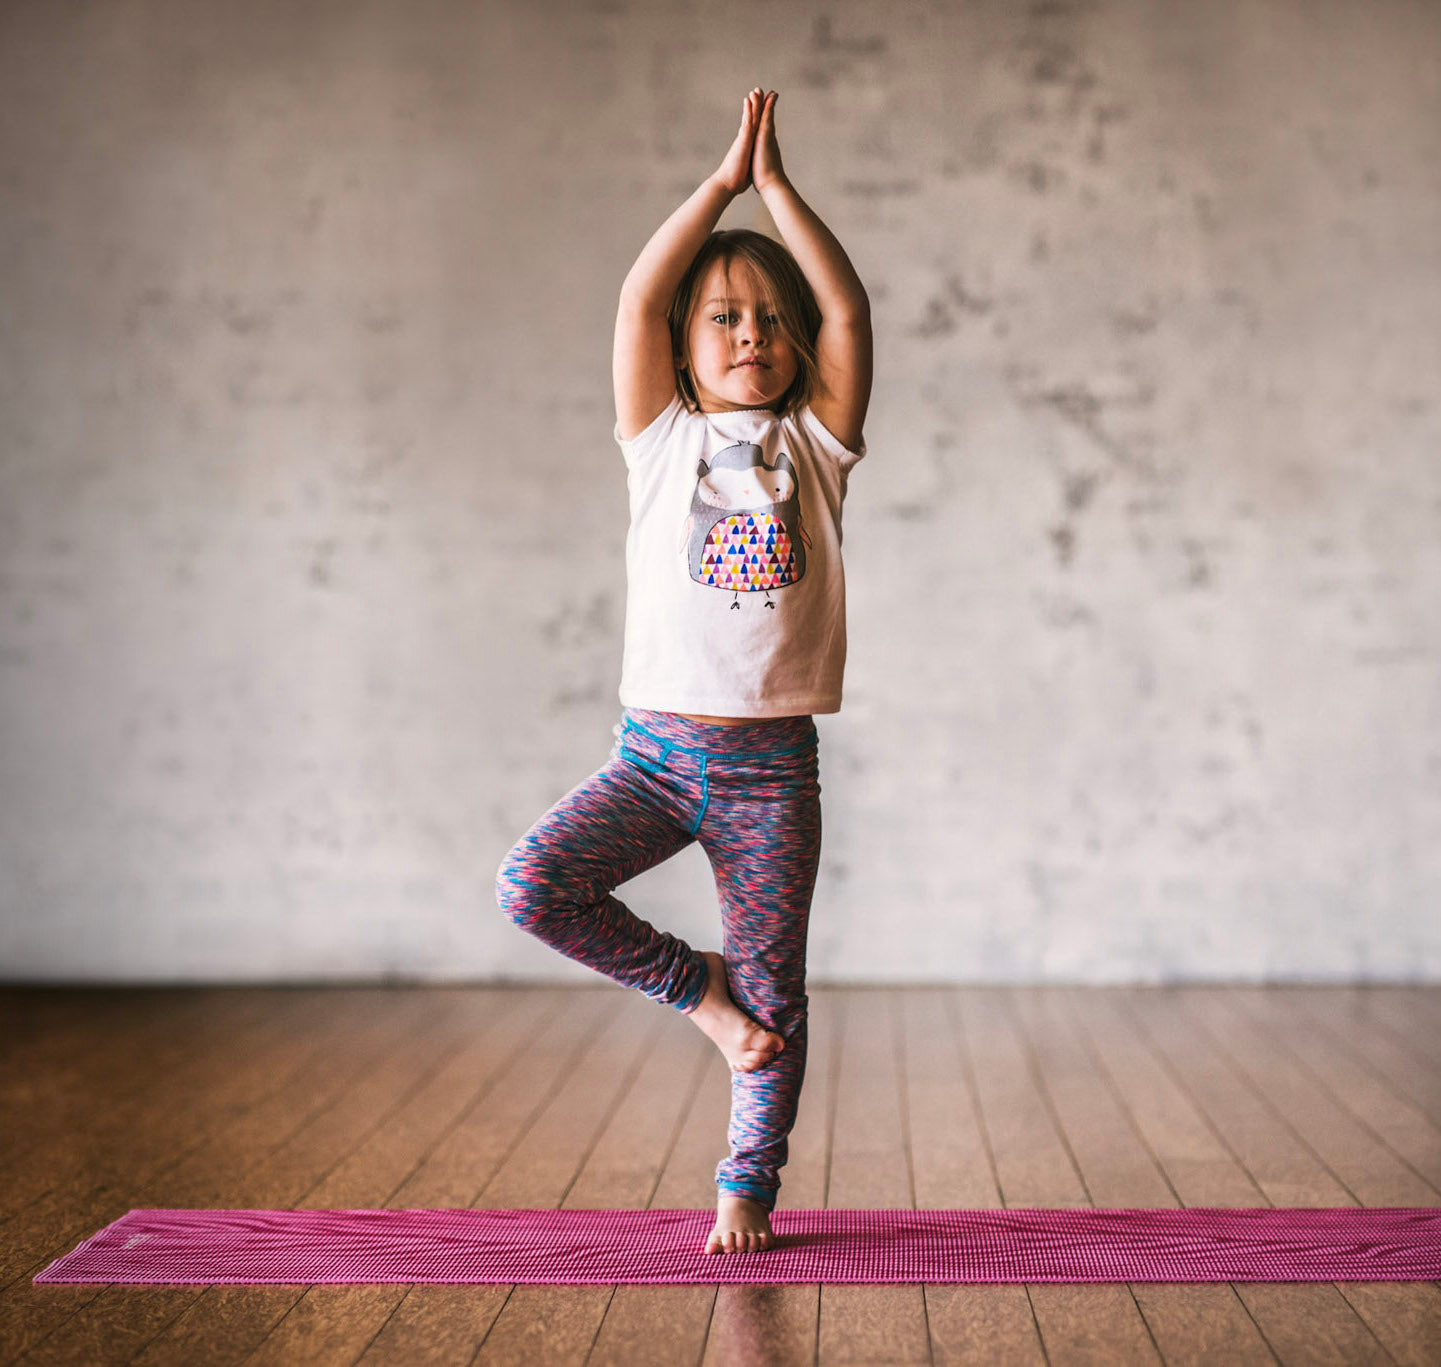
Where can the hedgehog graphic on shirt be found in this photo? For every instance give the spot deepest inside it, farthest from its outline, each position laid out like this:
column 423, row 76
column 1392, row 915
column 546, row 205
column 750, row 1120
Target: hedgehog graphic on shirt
column 744, row 531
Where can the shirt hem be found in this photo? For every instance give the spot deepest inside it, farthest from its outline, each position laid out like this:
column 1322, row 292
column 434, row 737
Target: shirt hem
column 731, row 707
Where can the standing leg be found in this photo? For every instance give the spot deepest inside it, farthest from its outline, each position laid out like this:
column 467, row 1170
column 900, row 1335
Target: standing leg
column 556, row 882
column 764, row 845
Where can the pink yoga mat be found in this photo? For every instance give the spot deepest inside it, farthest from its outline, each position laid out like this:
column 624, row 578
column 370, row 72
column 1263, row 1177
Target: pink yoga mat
column 575, row 1247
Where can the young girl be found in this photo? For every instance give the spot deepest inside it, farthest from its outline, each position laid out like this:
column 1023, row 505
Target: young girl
column 742, row 375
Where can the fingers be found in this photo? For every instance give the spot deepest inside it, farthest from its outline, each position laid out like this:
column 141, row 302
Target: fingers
column 750, row 116
column 758, row 105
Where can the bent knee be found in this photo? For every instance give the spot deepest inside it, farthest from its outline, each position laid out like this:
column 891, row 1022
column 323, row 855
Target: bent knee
column 516, row 886
column 526, row 889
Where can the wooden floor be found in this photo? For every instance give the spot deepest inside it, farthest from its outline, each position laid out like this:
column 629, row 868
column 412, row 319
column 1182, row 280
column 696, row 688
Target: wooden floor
column 596, row 1097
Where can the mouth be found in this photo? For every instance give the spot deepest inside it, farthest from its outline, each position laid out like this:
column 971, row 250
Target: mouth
column 752, row 365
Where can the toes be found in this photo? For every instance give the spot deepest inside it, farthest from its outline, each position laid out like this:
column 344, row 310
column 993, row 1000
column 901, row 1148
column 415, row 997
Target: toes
column 738, row 1241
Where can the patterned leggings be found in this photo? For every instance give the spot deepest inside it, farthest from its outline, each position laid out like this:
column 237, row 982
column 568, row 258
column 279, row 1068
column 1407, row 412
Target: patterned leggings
column 751, row 795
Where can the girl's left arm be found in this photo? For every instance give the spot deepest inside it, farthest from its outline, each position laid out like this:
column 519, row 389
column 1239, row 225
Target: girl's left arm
column 844, row 343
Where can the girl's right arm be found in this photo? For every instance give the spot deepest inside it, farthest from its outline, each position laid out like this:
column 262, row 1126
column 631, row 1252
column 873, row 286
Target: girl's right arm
column 642, row 366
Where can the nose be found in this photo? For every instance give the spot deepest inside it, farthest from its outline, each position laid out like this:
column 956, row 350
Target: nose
column 750, row 329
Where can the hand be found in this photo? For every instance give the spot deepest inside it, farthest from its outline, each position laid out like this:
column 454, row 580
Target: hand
column 735, row 170
column 766, row 160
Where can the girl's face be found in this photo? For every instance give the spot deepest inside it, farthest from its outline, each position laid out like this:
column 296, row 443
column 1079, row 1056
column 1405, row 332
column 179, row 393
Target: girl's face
column 739, row 357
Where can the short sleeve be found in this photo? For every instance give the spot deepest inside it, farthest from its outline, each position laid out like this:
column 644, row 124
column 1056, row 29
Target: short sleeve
column 827, row 441
column 644, row 443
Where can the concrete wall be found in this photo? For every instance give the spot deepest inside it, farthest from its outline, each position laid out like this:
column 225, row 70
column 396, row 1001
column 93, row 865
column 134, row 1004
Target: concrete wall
column 312, row 528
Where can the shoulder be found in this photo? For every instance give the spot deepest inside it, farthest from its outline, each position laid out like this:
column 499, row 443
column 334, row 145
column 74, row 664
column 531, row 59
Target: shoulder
column 663, row 428
column 840, row 421
column 810, row 420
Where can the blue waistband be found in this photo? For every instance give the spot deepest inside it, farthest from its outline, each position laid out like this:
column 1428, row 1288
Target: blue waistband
column 735, row 741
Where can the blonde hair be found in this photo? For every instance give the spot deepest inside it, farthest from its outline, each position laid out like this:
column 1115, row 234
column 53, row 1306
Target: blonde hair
column 787, row 291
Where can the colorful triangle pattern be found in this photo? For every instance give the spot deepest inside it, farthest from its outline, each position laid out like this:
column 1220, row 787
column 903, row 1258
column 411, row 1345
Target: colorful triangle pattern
column 748, row 551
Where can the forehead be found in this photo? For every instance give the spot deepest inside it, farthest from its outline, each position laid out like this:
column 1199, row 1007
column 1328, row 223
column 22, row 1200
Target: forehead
column 736, row 279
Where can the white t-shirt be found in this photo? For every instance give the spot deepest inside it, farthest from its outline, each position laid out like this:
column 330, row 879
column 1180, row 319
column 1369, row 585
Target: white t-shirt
column 736, row 595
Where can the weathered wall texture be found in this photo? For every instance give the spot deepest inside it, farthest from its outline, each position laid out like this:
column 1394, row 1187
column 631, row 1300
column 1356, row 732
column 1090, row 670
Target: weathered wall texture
column 312, row 528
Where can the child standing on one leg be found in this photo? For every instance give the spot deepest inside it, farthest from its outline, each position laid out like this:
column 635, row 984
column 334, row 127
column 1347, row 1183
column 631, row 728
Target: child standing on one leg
column 742, row 373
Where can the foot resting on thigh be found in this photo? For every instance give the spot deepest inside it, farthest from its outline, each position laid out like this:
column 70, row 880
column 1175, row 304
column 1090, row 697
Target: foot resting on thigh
column 741, row 1226
column 746, row 1044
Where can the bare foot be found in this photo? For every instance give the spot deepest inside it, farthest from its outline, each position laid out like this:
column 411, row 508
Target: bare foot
column 741, row 1226
column 746, row 1044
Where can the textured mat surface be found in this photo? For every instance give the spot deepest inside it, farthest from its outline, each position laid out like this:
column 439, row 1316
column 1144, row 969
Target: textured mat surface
column 572, row 1247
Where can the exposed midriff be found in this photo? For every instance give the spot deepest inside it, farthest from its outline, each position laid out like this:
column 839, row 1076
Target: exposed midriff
column 717, row 721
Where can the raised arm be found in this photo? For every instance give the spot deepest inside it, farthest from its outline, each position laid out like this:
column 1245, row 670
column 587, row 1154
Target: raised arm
column 843, row 346
column 642, row 366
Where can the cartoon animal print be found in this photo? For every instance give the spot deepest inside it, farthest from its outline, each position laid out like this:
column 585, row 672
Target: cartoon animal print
column 744, row 531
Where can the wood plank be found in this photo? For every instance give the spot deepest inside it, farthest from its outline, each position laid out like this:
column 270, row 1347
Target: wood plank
column 120, row 1321
column 950, row 1161
column 563, row 1321
column 1404, row 1316
column 195, row 1183
column 1302, row 1322
column 415, row 1105
column 69, row 1026
column 61, row 1053
column 533, row 1062
column 1033, row 1165
column 1091, row 1072
column 1369, row 1172
column 1345, row 1021
column 73, row 1209
column 1364, row 1165
column 925, row 1098
column 648, row 1325
column 952, row 1167
column 1077, row 1324
column 108, row 1105
column 1199, row 1167
column 342, row 1327
column 1115, row 1166
column 870, row 1170
column 1410, row 1017
column 1414, row 1012
column 1403, row 1127
column 1282, row 1170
